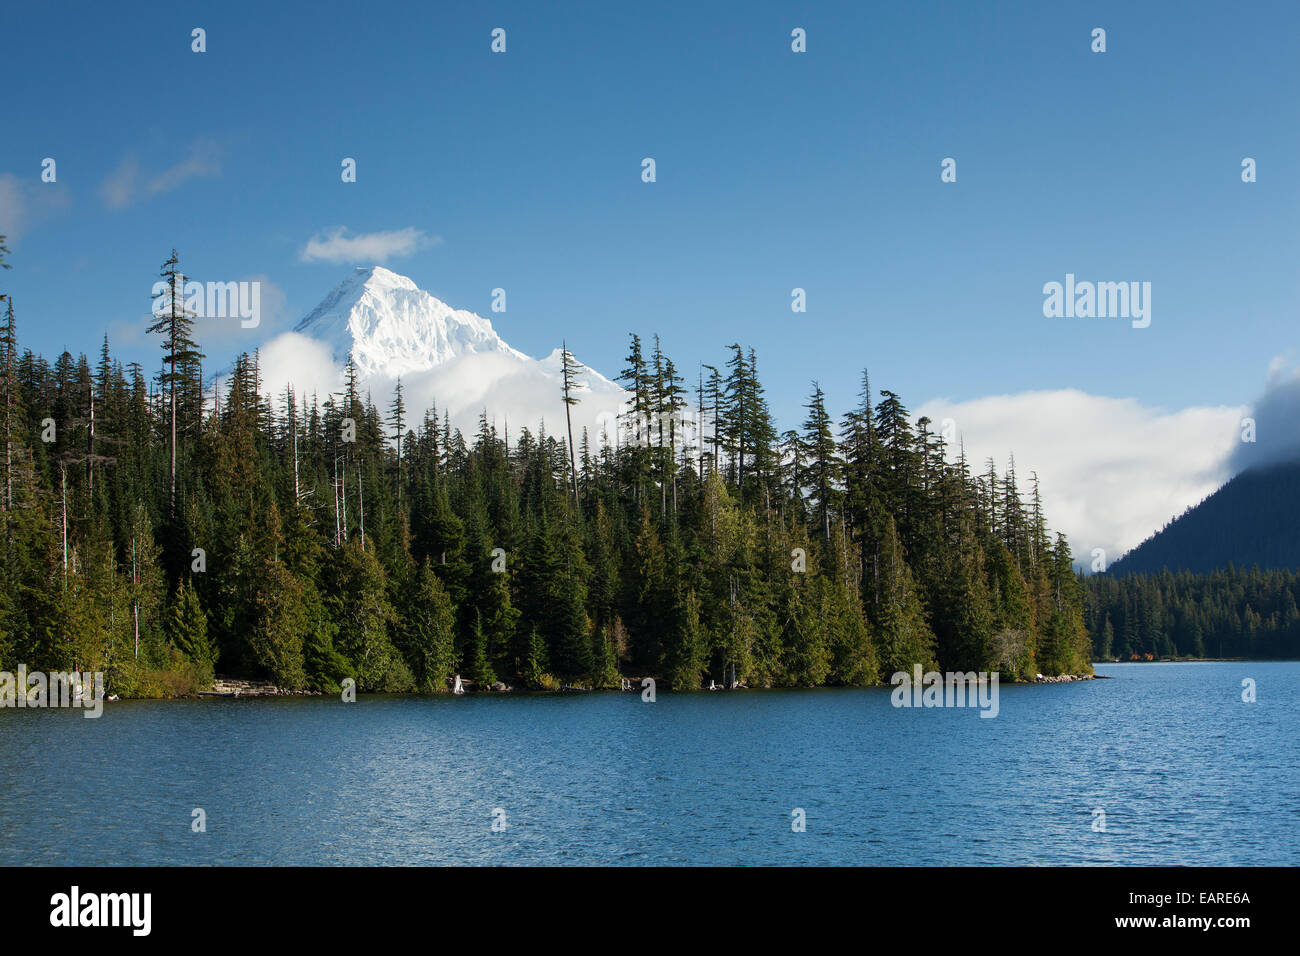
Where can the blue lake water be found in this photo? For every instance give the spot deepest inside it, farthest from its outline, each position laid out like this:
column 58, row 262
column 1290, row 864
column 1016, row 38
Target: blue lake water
column 1186, row 772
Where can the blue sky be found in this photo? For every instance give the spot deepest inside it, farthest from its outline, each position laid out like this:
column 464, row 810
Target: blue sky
column 775, row 170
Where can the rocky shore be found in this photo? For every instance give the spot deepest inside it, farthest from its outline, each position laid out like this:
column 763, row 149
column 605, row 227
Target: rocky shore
column 234, row 687
column 1063, row 679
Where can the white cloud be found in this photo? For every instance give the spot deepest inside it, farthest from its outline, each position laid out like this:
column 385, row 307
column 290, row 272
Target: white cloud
column 1112, row 471
column 204, row 160
column 119, row 186
column 123, row 185
column 13, row 205
column 335, row 246
column 1277, row 420
column 26, row 201
column 292, row 358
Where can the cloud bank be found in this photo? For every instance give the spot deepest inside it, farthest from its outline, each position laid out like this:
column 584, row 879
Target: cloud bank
column 1276, row 417
column 1112, row 471
column 514, row 391
column 296, row 359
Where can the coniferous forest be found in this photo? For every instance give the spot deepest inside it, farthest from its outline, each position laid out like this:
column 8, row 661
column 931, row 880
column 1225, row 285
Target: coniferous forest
column 1227, row 613
column 163, row 531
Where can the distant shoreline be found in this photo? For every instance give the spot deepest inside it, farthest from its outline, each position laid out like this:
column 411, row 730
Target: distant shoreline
column 234, row 689
column 1204, row 660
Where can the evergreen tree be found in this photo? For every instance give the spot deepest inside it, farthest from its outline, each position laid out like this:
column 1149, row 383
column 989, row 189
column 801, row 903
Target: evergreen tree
column 429, row 638
column 175, row 323
column 822, row 469
column 904, row 635
column 478, row 666
column 187, row 630
column 687, row 651
column 570, row 368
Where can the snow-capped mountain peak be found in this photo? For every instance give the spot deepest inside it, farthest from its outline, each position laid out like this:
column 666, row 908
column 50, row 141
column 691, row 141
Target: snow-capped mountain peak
column 393, row 327
column 449, row 358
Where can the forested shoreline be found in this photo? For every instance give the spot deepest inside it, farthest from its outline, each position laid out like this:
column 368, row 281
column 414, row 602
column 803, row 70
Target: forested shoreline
column 162, row 531
column 1234, row 613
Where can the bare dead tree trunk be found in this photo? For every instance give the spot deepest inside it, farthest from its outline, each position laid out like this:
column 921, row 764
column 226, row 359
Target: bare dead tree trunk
column 361, row 498
column 338, row 527
column 90, row 446
column 172, row 495
column 63, row 481
column 135, row 598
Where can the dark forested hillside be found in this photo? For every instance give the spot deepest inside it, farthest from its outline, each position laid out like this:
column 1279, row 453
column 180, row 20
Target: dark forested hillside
column 160, row 532
column 1252, row 520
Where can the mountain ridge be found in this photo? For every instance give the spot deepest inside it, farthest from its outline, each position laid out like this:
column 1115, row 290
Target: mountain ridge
column 1250, row 520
